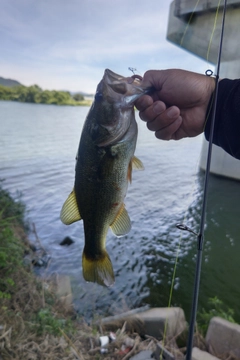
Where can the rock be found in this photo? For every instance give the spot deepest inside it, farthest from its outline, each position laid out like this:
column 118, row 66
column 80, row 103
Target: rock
column 37, row 262
column 143, row 355
column 32, row 246
column 198, row 354
column 150, row 322
column 223, row 338
column 41, row 260
column 66, row 241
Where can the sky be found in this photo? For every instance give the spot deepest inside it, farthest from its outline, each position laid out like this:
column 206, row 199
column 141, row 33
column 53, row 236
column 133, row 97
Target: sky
column 67, row 44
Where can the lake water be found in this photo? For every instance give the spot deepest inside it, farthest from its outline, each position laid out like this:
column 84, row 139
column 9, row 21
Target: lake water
column 38, row 144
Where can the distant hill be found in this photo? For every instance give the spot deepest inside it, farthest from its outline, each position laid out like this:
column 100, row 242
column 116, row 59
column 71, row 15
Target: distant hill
column 9, row 82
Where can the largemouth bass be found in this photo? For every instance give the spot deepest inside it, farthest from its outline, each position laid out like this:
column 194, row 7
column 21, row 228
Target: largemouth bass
column 104, row 166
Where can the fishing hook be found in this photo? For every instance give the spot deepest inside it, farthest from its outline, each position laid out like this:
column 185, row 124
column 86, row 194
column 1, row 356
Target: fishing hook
column 134, row 76
column 131, row 79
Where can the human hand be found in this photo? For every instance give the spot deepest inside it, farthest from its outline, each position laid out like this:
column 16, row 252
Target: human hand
column 178, row 104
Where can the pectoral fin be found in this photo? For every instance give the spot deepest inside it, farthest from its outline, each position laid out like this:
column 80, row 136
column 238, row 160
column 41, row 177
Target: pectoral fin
column 122, row 223
column 70, row 213
column 136, row 164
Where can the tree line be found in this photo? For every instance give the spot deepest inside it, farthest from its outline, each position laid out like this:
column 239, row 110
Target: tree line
column 34, row 94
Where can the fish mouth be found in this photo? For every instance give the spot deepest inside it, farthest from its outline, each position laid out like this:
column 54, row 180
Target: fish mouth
column 119, row 89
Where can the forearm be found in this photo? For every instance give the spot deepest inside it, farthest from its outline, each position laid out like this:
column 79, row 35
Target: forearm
column 227, row 123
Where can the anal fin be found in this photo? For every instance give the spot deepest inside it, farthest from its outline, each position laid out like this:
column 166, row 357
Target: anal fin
column 122, row 223
column 70, row 213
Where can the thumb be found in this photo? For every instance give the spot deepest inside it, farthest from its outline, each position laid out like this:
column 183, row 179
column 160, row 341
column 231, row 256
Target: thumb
column 154, row 79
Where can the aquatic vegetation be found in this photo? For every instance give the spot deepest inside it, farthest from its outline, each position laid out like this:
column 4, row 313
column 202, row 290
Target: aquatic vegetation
column 215, row 307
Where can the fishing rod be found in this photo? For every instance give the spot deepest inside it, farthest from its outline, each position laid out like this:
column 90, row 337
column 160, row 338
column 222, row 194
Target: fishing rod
column 200, row 237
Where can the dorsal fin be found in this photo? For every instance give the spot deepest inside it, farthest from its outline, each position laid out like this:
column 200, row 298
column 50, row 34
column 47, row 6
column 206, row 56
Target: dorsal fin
column 70, row 213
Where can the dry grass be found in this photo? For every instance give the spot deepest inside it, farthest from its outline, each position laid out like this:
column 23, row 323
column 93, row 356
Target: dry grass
column 36, row 325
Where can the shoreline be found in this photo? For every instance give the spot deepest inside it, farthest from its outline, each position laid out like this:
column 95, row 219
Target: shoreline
column 79, row 103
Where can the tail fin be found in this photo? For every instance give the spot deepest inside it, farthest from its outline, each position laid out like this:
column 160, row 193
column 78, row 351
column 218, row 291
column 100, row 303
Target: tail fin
column 98, row 270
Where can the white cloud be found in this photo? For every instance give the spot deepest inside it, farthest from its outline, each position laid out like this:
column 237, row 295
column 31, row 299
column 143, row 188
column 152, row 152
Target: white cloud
column 68, row 44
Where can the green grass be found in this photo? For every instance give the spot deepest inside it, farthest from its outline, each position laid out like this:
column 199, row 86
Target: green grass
column 46, row 321
column 215, row 307
column 11, row 250
column 11, row 209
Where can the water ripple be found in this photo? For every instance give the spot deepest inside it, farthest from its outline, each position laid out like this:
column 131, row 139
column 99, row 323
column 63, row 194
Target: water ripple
column 37, row 157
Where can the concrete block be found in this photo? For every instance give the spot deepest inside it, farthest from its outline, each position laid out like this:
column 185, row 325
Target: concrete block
column 223, row 338
column 143, row 355
column 61, row 285
column 198, row 354
column 164, row 354
column 151, row 322
column 155, row 320
column 198, row 35
column 222, row 163
column 64, row 290
column 130, row 319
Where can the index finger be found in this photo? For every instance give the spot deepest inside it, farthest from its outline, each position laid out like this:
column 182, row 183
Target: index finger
column 143, row 102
